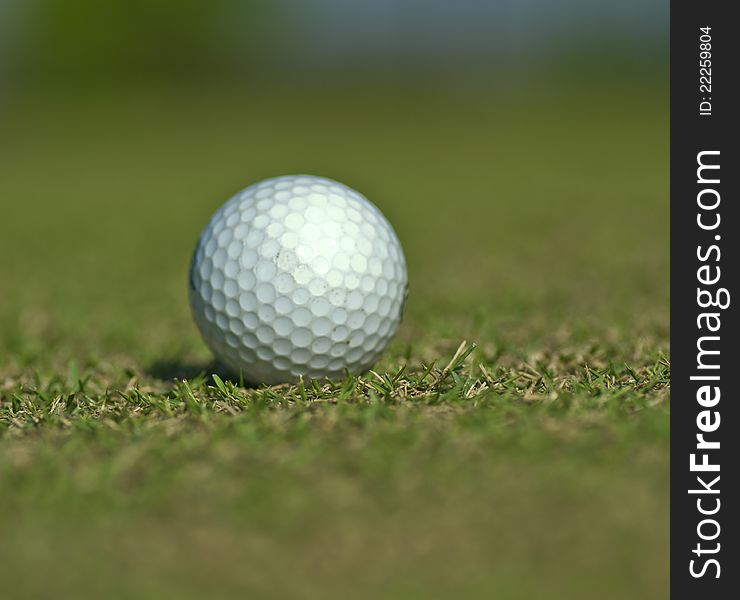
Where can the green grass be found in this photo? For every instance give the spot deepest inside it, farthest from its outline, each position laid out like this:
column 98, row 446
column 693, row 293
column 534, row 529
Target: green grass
column 530, row 461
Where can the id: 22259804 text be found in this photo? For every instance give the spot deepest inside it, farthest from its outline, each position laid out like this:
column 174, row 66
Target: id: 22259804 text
column 705, row 71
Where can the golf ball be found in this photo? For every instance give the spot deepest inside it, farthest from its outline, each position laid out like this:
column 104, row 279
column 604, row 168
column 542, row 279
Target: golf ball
column 297, row 276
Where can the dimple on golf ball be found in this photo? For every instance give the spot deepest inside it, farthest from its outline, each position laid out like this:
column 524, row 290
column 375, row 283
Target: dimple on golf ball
column 297, row 276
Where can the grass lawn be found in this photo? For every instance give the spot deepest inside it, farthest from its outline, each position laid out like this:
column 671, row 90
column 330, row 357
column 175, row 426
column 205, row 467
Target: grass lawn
column 512, row 442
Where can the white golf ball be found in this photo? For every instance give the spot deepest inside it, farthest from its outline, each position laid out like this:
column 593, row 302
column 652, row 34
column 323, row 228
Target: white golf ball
column 297, row 276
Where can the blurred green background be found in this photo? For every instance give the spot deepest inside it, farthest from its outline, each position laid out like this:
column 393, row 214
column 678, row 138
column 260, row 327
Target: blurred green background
column 520, row 150
column 76, row 41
